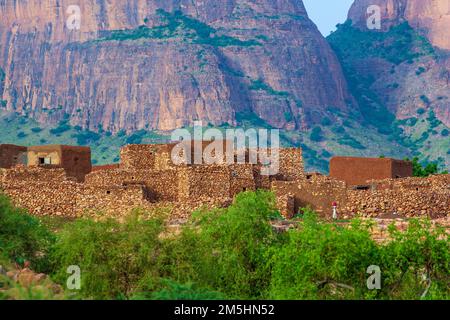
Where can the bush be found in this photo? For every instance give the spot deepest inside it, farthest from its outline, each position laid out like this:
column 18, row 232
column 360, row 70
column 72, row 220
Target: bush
column 420, row 111
column 137, row 137
column 327, row 261
column 226, row 250
column 62, row 127
column 174, row 291
column 316, row 134
column 323, row 261
column 416, row 263
column 424, row 169
column 326, row 122
column 112, row 256
column 23, row 237
column 21, row 135
column 86, row 137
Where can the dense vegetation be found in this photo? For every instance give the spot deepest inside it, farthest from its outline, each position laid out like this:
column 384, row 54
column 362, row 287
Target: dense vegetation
column 425, row 170
column 178, row 25
column 235, row 253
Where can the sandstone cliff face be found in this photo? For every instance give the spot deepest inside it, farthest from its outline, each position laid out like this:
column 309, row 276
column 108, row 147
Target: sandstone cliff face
column 426, row 78
column 432, row 17
column 210, row 61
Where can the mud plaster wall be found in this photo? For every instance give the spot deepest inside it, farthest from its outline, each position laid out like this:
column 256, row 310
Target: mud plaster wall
column 11, row 155
column 357, row 171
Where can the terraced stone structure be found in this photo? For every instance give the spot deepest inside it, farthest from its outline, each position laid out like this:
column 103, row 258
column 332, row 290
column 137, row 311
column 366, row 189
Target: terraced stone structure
column 147, row 179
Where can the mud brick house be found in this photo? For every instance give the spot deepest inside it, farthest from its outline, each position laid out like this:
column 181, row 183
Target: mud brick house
column 76, row 161
column 11, row 155
column 358, row 171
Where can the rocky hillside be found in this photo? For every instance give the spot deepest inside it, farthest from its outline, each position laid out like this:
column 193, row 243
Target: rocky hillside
column 431, row 18
column 400, row 75
column 163, row 64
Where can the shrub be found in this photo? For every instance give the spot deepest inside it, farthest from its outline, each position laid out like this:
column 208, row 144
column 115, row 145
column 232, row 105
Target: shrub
column 445, row 133
column 420, row 111
column 112, row 256
column 323, row 261
column 326, row 122
column 351, row 142
column 423, row 169
column 136, row 138
column 21, row 135
column 425, row 99
column 36, row 130
column 174, row 291
column 62, row 127
column 86, row 137
column 23, row 237
column 226, row 250
column 416, row 262
column 316, row 134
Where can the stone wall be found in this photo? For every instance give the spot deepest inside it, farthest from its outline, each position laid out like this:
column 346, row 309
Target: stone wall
column 161, row 185
column 409, row 197
column 318, row 192
column 145, row 157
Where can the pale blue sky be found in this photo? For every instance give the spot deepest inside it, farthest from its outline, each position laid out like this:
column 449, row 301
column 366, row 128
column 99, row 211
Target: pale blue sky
column 326, row 14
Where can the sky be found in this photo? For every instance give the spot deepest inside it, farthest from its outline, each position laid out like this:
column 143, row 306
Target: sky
column 326, row 14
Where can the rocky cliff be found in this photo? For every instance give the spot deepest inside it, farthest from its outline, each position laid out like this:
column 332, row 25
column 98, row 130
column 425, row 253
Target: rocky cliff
column 404, row 68
column 432, row 18
column 163, row 64
column 421, row 82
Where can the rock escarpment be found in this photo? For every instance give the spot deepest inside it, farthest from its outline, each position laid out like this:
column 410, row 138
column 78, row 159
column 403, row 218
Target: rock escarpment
column 430, row 17
column 422, row 82
column 164, row 64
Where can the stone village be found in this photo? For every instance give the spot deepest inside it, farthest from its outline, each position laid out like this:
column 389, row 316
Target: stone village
column 59, row 180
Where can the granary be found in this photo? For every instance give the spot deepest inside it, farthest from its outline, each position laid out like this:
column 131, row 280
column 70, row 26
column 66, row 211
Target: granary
column 359, row 171
column 76, row 161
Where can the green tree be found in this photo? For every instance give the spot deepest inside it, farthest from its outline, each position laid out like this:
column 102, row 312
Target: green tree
column 424, row 170
column 112, row 256
column 23, row 237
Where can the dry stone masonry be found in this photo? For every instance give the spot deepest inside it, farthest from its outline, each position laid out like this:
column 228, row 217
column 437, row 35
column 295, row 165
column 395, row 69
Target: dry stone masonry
column 147, row 179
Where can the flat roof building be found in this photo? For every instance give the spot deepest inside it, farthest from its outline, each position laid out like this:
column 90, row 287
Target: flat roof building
column 358, row 171
column 76, row 161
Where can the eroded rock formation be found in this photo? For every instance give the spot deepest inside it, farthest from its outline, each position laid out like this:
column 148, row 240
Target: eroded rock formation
column 179, row 61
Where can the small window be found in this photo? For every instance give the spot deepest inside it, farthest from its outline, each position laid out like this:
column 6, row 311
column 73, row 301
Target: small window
column 108, row 192
column 45, row 161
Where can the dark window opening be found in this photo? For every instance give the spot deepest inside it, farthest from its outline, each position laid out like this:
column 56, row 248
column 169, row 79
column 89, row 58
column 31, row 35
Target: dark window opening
column 361, row 188
column 45, row 161
column 108, row 192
